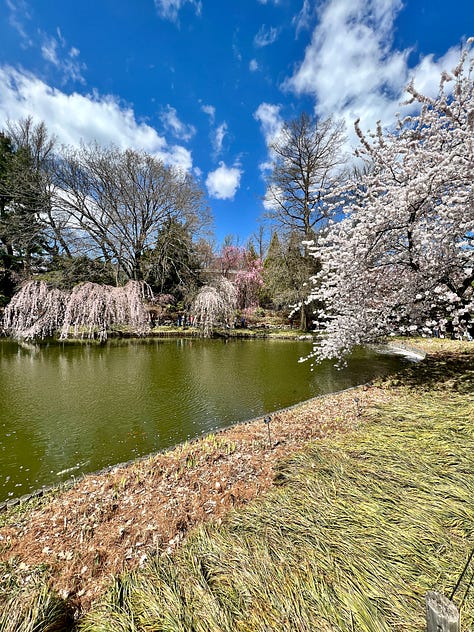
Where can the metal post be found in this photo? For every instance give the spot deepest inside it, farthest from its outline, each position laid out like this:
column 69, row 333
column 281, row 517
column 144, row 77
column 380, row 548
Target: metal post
column 267, row 421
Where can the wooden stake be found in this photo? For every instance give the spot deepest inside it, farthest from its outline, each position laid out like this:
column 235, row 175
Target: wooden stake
column 441, row 614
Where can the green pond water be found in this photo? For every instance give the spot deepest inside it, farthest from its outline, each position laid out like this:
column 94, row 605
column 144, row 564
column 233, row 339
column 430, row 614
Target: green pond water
column 69, row 409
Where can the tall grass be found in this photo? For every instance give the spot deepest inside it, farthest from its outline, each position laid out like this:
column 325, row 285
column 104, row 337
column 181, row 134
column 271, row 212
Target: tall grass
column 359, row 528
column 26, row 602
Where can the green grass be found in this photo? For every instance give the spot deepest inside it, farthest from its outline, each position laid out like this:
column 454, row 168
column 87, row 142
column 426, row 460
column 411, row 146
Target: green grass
column 359, row 528
column 26, row 602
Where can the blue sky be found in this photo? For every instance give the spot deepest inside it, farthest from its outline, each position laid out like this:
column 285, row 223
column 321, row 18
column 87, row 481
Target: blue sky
column 206, row 84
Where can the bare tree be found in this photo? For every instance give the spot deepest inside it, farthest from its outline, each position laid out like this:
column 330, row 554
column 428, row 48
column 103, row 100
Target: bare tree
column 118, row 204
column 307, row 160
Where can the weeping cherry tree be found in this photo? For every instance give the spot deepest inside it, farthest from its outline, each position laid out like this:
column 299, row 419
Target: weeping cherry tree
column 35, row 311
column 89, row 310
column 214, row 305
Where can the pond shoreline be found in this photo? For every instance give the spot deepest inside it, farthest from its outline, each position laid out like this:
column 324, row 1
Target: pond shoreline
column 186, row 333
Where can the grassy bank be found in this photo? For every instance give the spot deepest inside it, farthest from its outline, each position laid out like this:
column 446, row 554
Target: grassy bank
column 359, row 524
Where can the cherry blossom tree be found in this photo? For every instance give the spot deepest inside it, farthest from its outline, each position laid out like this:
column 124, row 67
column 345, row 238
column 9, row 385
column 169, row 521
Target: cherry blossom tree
column 231, row 259
column 92, row 309
column 37, row 311
column 214, row 305
column 402, row 259
column 248, row 283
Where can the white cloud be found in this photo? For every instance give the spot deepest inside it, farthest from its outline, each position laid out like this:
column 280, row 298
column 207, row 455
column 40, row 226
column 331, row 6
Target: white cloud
column 49, row 50
column 19, row 14
column 351, row 68
column 223, row 183
column 219, row 136
column 74, row 117
column 269, row 1
column 180, row 130
column 169, row 9
column 302, row 20
column 253, row 65
column 427, row 73
column 270, row 120
column 210, row 110
column 218, row 133
column 265, row 36
column 54, row 51
column 271, row 123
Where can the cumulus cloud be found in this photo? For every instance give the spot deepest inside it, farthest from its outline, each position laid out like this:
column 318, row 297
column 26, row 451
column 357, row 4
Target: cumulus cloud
column 351, row 68
column 265, row 36
column 223, row 183
column 171, row 122
column 169, row 9
column 74, row 117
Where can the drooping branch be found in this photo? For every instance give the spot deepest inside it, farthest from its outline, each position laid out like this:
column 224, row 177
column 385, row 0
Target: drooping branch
column 214, row 305
column 92, row 309
column 36, row 311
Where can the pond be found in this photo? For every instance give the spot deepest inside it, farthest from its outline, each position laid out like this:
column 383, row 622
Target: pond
column 69, row 409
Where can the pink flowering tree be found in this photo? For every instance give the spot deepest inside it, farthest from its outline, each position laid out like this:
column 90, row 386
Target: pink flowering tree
column 35, row 311
column 231, row 260
column 402, row 258
column 248, row 283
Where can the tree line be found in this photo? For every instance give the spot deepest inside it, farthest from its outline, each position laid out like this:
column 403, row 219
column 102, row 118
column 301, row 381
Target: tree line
column 94, row 213
column 107, row 215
